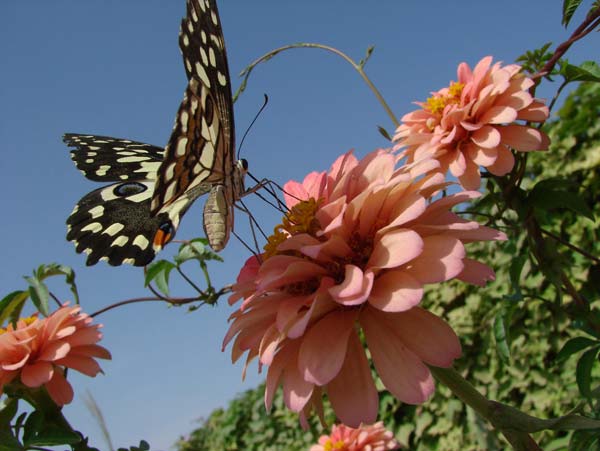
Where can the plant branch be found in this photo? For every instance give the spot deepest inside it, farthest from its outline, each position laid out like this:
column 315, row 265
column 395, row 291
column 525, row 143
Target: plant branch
column 358, row 67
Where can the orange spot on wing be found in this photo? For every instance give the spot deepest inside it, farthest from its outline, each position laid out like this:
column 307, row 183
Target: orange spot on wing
column 161, row 238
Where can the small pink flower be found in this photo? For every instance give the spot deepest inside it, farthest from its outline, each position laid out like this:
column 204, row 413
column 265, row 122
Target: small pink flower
column 353, row 254
column 472, row 122
column 37, row 351
column 365, row 438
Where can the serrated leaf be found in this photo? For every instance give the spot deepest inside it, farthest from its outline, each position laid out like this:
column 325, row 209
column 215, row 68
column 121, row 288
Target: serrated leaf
column 586, row 71
column 196, row 249
column 155, row 268
column 573, row 346
column 159, row 273
column 501, row 337
column 38, row 291
column 584, row 371
column 11, row 305
column 569, row 8
column 55, row 269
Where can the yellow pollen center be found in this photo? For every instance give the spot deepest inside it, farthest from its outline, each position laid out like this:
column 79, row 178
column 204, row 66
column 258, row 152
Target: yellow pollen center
column 330, row 445
column 300, row 219
column 438, row 102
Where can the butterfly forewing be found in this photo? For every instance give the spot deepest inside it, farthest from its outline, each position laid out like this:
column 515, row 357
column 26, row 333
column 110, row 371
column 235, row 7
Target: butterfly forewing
column 114, row 223
column 201, row 146
column 104, row 158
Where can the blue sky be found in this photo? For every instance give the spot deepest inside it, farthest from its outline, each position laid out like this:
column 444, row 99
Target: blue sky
column 114, row 68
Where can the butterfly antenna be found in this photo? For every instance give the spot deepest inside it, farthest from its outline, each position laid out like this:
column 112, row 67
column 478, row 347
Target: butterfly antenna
column 251, row 124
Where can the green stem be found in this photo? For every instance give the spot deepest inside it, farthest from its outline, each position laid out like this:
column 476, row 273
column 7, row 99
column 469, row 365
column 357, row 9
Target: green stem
column 357, row 67
column 520, row 441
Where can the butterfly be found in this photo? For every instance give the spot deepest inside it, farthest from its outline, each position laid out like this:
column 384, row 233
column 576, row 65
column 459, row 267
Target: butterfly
column 139, row 213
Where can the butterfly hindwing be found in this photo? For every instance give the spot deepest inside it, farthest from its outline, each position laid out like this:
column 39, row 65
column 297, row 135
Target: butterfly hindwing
column 114, row 223
column 201, row 146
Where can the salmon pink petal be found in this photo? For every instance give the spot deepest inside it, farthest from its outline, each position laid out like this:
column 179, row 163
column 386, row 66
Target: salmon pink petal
column 476, row 273
column 407, row 209
column 55, row 350
column 317, row 363
column 289, row 310
column 504, row 162
column 536, row 112
column 352, row 393
column 268, row 345
column 499, row 115
column 429, row 337
column 93, row 351
column 355, row 287
column 37, row 374
column 396, row 291
column 523, row 138
column 482, row 156
column 59, row 389
column 487, row 137
column 458, row 165
column 470, row 179
column 395, row 248
column 83, row 364
column 275, row 373
column 320, row 306
column 402, row 372
column 312, row 186
column 13, row 366
column 284, row 271
column 296, row 391
column 441, row 259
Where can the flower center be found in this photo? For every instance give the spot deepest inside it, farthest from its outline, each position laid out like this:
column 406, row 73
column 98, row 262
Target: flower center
column 300, row 219
column 436, row 103
column 330, row 445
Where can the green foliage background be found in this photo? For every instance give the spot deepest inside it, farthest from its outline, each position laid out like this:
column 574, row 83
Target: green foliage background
column 511, row 331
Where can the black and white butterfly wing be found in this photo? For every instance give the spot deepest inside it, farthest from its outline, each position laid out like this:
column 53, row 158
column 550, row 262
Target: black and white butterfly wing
column 114, row 223
column 201, row 147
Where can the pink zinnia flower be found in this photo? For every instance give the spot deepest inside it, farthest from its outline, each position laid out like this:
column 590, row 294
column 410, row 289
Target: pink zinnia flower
column 37, row 351
column 471, row 123
column 365, row 438
column 353, row 254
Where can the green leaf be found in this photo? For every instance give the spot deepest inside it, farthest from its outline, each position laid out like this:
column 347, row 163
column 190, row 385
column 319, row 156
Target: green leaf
column 569, row 8
column 8, row 411
column 584, row 371
column 573, row 346
column 383, row 132
column 586, row 71
column 159, row 273
column 552, row 193
column 8, row 442
column 196, row 249
column 584, row 441
column 38, row 291
column 11, row 305
column 155, row 268
column 32, row 426
column 516, row 267
column 53, row 435
column 55, row 269
column 501, row 336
